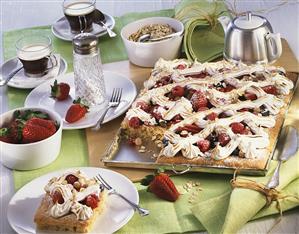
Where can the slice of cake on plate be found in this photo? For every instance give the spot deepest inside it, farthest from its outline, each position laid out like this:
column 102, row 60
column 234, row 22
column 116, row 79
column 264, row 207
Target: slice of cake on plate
column 72, row 203
column 211, row 114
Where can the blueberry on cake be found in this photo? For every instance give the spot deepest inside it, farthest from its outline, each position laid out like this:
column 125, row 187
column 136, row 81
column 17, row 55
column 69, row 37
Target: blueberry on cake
column 72, row 203
column 216, row 114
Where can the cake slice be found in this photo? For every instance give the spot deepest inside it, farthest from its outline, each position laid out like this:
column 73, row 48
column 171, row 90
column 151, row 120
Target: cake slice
column 72, row 203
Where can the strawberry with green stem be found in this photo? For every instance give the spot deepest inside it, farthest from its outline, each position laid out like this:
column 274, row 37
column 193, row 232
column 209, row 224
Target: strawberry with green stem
column 60, row 91
column 76, row 111
column 161, row 185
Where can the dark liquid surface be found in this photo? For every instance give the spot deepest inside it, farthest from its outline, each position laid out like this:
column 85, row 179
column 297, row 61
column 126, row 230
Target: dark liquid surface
column 86, row 22
column 35, row 67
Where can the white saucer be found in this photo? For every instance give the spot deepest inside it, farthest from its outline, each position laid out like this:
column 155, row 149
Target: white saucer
column 40, row 96
column 20, row 80
column 117, row 213
column 61, row 28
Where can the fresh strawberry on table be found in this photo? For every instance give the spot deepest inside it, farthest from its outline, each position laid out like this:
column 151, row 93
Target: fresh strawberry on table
column 76, row 111
column 162, row 186
column 60, row 91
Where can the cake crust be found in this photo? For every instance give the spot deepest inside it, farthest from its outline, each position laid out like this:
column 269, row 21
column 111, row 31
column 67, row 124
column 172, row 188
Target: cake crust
column 278, row 80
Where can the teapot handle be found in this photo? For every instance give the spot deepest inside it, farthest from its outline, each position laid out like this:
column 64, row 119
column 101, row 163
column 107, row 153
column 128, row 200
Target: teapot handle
column 274, row 48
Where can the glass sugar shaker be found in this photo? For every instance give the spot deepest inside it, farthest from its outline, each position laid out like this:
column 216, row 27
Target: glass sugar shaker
column 88, row 73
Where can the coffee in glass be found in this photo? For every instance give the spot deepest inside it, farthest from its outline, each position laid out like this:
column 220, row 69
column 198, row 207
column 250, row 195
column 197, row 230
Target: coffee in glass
column 35, row 53
column 79, row 14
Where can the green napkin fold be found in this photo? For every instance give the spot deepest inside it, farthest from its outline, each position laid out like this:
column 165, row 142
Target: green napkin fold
column 204, row 36
column 228, row 212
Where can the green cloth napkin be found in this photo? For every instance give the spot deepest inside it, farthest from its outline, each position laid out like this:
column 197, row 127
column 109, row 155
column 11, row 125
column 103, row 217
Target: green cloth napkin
column 204, row 36
column 74, row 152
column 230, row 211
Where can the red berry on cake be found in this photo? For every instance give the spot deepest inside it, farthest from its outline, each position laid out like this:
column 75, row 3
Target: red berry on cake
column 143, row 106
column 71, row 179
column 135, row 122
column 237, row 127
column 199, row 100
column 212, row 116
column 223, row 139
column 270, row 89
column 178, row 91
column 203, row 145
column 250, row 96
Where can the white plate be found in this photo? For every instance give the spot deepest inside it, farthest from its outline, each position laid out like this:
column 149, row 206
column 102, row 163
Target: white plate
column 22, row 206
column 20, row 80
column 61, row 28
column 40, row 96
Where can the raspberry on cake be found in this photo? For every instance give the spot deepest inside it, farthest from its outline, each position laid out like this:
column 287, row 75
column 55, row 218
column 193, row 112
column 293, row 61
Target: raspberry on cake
column 216, row 114
column 72, row 203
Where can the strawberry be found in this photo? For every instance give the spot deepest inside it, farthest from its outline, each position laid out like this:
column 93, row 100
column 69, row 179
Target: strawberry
column 200, row 75
column 163, row 81
column 76, row 111
column 91, row 201
column 189, row 93
column 36, row 129
column 157, row 115
column 177, row 118
column 237, row 127
column 71, row 179
column 57, row 197
column 143, row 106
column 212, row 116
column 4, row 135
column 135, row 122
column 223, row 139
column 178, row 91
column 198, row 100
column 250, row 96
column 193, row 128
column 60, row 91
column 181, row 66
column 162, row 186
column 270, row 89
column 203, row 145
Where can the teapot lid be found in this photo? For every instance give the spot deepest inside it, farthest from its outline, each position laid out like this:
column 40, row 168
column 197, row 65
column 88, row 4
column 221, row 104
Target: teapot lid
column 249, row 21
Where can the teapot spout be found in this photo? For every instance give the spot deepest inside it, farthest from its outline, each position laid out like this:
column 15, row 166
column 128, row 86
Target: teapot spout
column 224, row 21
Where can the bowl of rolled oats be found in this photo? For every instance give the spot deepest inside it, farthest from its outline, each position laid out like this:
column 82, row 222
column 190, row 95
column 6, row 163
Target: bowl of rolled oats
column 163, row 37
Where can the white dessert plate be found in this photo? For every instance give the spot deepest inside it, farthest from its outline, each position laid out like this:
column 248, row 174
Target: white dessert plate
column 61, row 28
column 117, row 213
column 40, row 96
column 20, row 80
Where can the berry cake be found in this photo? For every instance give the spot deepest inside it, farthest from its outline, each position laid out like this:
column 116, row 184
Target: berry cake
column 72, row 203
column 211, row 114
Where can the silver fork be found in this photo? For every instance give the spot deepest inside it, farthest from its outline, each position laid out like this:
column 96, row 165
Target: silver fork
column 114, row 102
column 141, row 211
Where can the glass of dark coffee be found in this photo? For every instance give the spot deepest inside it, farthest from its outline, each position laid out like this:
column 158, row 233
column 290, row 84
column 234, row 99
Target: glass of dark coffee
column 35, row 53
column 79, row 14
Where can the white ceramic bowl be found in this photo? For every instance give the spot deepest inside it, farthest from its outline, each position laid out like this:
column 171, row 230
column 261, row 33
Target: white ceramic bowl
column 146, row 54
column 32, row 155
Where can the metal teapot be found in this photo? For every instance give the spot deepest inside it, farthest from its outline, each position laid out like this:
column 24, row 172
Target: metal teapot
column 250, row 39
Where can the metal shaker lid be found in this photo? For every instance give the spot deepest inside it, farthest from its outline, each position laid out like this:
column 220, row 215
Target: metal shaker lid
column 249, row 21
column 85, row 43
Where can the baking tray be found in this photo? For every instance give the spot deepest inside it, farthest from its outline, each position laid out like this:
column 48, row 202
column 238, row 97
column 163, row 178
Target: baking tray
column 121, row 154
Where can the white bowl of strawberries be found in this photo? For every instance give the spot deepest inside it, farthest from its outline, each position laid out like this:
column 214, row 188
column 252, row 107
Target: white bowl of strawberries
column 30, row 137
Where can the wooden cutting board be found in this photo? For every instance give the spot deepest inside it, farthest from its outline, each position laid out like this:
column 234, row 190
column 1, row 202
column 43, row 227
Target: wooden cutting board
column 98, row 142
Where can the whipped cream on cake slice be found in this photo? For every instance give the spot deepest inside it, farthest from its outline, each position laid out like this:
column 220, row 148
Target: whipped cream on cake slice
column 72, row 202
